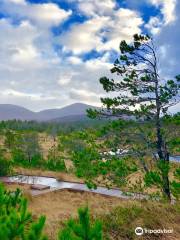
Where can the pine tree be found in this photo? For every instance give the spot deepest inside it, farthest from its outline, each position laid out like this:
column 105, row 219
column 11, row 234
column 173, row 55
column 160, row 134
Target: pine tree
column 82, row 229
column 140, row 91
column 15, row 220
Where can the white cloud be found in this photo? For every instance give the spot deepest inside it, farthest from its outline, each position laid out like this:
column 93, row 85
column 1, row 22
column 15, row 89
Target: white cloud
column 14, row 93
column 17, row 1
column 65, row 79
column 31, row 69
column 84, row 95
column 74, row 60
column 154, row 25
column 102, row 33
column 17, row 43
column 36, row 73
column 167, row 9
column 123, row 25
column 93, row 7
column 25, row 54
column 82, row 38
column 46, row 14
column 32, row 75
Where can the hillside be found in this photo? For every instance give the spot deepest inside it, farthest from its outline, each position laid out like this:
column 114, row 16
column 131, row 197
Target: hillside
column 10, row 112
column 69, row 113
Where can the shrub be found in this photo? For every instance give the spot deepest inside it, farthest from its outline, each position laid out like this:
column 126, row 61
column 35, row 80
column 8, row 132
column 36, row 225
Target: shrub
column 15, row 220
column 5, row 166
column 55, row 165
column 82, row 229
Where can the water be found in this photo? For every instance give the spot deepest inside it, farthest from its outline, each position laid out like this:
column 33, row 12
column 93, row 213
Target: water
column 120, row 152
column 55, row 185
column 174, row 158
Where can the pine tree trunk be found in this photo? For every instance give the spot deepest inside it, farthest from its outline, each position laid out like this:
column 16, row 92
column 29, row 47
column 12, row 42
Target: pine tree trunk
column 166, row 186
column 163, row 156
column 161, row 146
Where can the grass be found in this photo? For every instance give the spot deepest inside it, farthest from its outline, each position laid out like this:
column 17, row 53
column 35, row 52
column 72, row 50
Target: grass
column 119, row 217
column 61, row 176
column 122, row 220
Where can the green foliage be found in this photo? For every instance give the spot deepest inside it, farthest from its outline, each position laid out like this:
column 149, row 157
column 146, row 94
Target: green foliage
column 156, row 177
column 175, row 189
column 164, row 167
column 172, row 119
column 10, row 139
column 141, row 93
column 15, row 220
column 152, row 178
column 20, row 158
column 48, row 127
column 26, row 150
column 55, row 164
column 85, row 150
column 177, row 173
column 82, row 229
column 84, row 162
column 119, row 222
column 5, row 165
column 174, row 144
column 138, row 82
column 36, row 230
column 116, row 170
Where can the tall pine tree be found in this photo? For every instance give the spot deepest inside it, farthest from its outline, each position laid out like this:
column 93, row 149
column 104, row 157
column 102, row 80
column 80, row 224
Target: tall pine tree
column 140, row 91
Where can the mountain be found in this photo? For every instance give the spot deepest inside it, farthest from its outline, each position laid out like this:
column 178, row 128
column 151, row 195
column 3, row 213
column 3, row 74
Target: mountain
column 10, row 111
column 75, row 111
column 70, row 110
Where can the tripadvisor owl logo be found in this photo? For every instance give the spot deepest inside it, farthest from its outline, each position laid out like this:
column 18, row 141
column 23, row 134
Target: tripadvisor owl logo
column 139, row 231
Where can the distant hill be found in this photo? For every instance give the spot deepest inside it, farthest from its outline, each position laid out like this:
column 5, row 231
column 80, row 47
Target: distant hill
column 10, row 111
column 71, row 118
column 75, row 109
column 73, row 112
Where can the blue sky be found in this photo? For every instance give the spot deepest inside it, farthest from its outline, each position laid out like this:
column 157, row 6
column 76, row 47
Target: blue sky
column 54, row 51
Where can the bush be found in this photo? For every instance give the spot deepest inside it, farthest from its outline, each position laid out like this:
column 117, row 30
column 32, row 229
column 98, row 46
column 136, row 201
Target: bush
column 15, row 220
column 82, row 229
column 119, row 223
column 21, row 159
column 5, row 166
column 55, row 164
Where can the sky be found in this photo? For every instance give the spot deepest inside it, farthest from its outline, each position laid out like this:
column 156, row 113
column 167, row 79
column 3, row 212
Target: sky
column 53, row 52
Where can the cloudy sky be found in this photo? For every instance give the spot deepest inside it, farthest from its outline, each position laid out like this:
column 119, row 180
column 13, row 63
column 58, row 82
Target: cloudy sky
column 52, row 52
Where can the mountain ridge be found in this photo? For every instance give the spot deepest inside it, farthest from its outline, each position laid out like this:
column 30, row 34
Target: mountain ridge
column 11, row 112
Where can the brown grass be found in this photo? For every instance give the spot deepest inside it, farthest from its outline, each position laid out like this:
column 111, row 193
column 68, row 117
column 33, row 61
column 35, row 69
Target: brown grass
column 61, row 176
column 46, row 142
column 60, row 205
column 120, row 217
column 122, row 220
column 14, row 186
